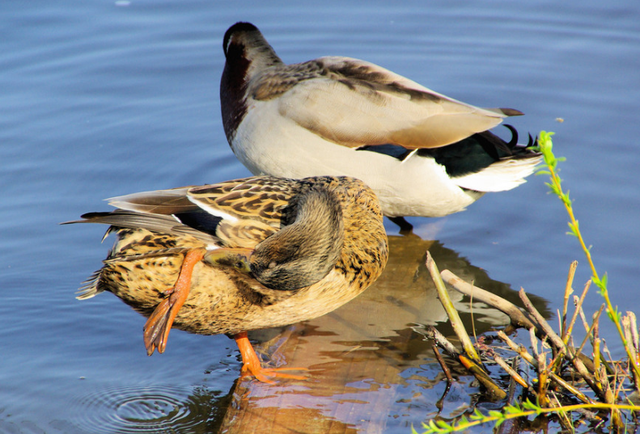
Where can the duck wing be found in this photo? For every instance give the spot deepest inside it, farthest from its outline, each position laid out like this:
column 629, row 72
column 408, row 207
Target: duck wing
column 237, row 213
column 251, row 209
column 356, row 103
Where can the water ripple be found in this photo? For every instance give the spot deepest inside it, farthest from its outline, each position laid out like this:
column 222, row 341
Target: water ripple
column 140, row 410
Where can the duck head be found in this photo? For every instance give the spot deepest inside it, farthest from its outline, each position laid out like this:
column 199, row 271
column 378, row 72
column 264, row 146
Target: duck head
column 298, row 255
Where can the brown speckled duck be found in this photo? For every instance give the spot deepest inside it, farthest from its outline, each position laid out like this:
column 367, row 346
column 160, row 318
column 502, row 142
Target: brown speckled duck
column 241, row 255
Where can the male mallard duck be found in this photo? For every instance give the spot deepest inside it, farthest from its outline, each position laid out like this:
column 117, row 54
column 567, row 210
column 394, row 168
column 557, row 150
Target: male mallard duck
column 424, row 154
column 241, row 255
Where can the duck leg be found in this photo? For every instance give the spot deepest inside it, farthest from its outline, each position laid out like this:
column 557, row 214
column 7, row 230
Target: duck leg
column 403, row 224
column 251, row 363
column 156, row 329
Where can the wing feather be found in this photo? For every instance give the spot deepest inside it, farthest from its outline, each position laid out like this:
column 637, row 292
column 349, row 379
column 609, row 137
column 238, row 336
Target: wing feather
column 356, row 103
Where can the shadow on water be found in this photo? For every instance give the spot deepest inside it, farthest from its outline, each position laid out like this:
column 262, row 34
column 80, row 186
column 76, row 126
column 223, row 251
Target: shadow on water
column 370, row 368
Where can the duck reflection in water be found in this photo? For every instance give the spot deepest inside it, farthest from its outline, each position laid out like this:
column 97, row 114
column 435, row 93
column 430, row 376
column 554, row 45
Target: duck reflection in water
column 371, row 367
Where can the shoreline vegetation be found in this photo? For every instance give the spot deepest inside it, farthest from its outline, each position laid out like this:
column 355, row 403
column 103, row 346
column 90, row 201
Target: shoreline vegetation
column 575, row 385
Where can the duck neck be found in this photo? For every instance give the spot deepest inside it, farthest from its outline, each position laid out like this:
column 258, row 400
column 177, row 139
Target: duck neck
column 304, row 252
column 245, row 57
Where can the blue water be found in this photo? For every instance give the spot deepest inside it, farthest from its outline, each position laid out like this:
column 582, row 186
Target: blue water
column 102, row 98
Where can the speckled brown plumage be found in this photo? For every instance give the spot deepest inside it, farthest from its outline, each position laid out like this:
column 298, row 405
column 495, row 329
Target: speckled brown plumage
column 144, row 264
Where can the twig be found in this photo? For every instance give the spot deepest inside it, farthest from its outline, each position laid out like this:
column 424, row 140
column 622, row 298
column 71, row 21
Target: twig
column 517, row 317
column 443, row 365
column 568, row 290
column 560, row 345
column 578, row 305
column 432, row 333
column 452, row 313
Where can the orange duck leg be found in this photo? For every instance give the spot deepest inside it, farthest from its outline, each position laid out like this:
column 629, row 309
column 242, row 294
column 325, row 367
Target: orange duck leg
column 251, row 363
column 156, row 329
column 158, row 325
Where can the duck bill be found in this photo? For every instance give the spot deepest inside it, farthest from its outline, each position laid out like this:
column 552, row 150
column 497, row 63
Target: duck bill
column 238, row 258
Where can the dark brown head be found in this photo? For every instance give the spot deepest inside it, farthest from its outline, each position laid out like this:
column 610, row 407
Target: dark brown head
column 244, row 41
column 247, row 54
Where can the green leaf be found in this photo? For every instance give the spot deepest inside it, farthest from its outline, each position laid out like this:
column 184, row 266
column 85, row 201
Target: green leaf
column 574, row 229
column 512, row 409
column 443, row 425
column 496, row 414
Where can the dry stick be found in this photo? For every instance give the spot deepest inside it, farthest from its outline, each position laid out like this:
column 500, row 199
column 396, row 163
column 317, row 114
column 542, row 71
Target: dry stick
column 447, row 373
column 607, row 362
column 591, row 334
column 628, row 331
column 568, row 290
column 534, row 343
column 569, row 352
column 518, row 318
column 634, row 350
column 522, row 352
column 511, row 425
column 493, row 391
column 601, row 369
column 543, row 374
column 512, row 372
column 572, row 389
column 473, row 362
column 556, row 362
column 583, row 317
column 631, row 331
column 563, row 417
column 601, row 374
column 578, row 306
column 443, row 365
column 452, row 313
column 619, row 383
column 432, row 333
column 634, row 332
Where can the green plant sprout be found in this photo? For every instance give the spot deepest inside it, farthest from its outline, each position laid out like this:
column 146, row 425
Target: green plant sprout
column 512, row 412
column 551, row 161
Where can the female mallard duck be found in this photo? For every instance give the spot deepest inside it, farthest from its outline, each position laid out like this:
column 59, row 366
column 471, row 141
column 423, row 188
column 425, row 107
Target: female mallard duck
column 241, row 255
column 424, row 154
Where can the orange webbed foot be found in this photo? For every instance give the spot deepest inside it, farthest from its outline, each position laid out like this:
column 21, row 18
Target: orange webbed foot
column 156, row 329
column 251, row 363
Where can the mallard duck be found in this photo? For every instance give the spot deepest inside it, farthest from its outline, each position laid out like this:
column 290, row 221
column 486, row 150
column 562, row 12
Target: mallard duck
column 241, row 255
column 424, row 154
